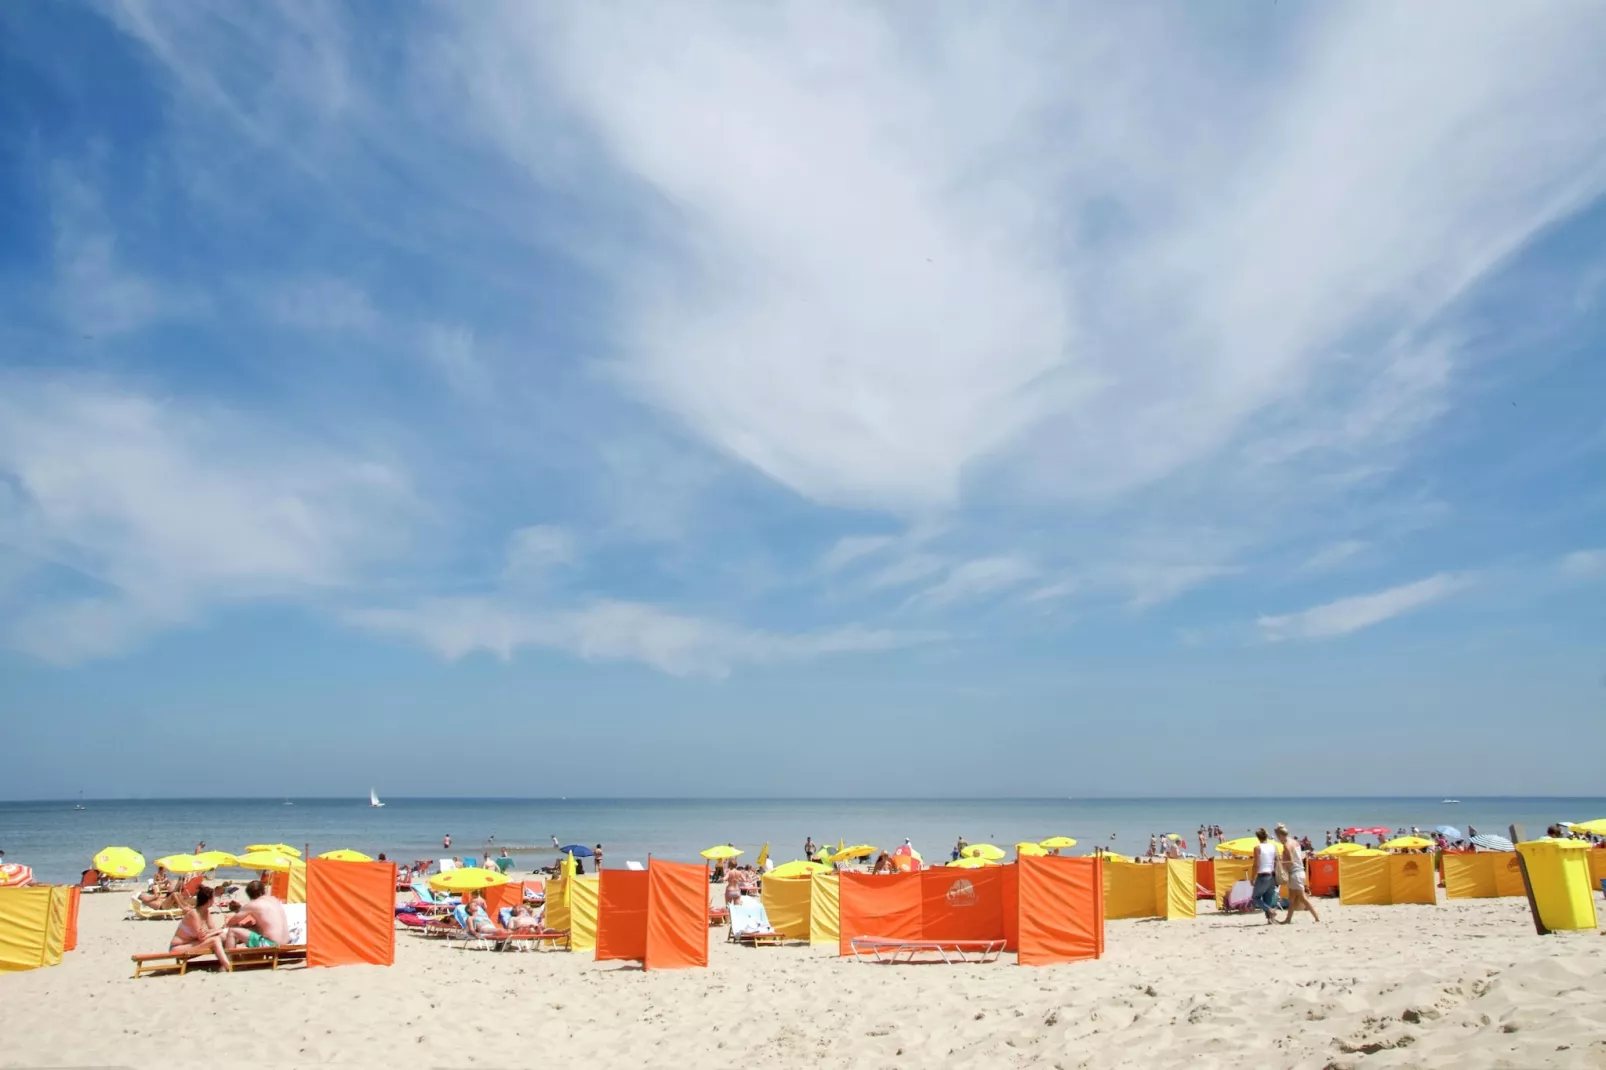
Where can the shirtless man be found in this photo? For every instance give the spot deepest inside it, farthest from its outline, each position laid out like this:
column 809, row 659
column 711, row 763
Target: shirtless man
column 261, row 921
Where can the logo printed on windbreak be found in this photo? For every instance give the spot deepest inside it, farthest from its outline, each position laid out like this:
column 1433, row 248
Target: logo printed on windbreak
column 1410, row 869
column 961, row 893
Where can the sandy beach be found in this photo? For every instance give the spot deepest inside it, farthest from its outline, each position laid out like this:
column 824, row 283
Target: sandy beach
column 1465, row 984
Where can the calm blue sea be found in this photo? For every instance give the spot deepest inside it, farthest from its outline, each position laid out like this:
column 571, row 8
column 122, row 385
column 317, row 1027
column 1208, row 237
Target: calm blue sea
column 58, row 841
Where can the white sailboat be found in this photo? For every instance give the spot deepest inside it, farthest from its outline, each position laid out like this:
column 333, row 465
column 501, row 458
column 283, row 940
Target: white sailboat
column 373, row 798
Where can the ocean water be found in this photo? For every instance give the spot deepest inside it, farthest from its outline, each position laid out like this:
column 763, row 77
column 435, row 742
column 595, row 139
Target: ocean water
column 58, row 841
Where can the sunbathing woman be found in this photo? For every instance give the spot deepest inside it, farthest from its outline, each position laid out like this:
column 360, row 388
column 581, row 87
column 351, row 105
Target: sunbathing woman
column 195, row 934
column 479, row 918
column 160, row 896
column 523, row 920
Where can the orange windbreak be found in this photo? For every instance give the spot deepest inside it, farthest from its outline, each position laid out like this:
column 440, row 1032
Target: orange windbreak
column 71, row 943
column 622, row 915
column 502, row 895
column 1204, row 872
column 1011, row 896
column 279, row 887
column 1323, row 874
column 962, row 904
column 677, row 916
column 350, row 913
column 1061, row 910
column 880, row 905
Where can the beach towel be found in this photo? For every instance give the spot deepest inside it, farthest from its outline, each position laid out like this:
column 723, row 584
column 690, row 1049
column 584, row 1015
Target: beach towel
column 747, row 916
column 295, row 917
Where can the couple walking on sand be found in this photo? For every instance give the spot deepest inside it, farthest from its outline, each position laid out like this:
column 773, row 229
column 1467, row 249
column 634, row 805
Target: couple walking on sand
column 1277, row 863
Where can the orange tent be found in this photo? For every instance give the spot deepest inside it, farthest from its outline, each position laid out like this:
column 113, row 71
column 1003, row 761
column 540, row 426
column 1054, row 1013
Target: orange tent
column 658, row 917
column 351, row 912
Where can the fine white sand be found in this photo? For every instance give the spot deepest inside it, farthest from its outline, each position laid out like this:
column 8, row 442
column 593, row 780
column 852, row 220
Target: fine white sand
column 1465, row 984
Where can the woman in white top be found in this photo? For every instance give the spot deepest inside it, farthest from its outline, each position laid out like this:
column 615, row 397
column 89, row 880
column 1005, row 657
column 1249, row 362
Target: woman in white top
column 1294, row 861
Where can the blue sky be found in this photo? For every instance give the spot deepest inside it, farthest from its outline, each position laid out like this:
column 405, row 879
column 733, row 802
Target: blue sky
column 526, row 399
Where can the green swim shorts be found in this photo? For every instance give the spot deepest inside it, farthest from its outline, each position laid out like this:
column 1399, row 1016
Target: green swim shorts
column 258, row 940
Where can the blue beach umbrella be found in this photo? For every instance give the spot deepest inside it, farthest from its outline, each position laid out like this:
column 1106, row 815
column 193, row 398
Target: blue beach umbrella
column 577, row 849
column 1448, row 830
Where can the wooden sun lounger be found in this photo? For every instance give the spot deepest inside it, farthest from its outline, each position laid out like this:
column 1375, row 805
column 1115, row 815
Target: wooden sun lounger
column 241, row 957
column 768, row 938
column 949, row 951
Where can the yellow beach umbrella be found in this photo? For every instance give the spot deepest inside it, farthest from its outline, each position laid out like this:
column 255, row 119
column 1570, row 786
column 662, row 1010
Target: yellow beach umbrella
column 973, row 862
column 1596, row 827
column 858, row 850
column 799, row 868
column 1030, row 849
column 1111, row 856
column 1338, row 849
column 1056, row 842
column 1406, row 843
column 218, row 859
column 720, row 852
column 279, row 863
column 1243, row 845
column 467, row 879
column 823, row 854
column 186, row 863
column 120, row 862
column 276, row 848
column 345, row 855
column 983, row 850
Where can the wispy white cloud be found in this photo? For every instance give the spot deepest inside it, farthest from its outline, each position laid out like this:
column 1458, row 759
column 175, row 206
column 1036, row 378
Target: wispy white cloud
column 320, row 304
column 166, row 509
column 1333, row 555
column 977, row 578
column 912, row 568
column 1584, row 564
column 851, row 548
column 618, row 631
column 533, row 553
column 1346, row 615
column 97, row 292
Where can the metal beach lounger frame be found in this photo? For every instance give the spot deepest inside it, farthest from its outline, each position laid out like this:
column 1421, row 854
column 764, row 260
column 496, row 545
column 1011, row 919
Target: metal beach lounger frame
column 950, row 951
